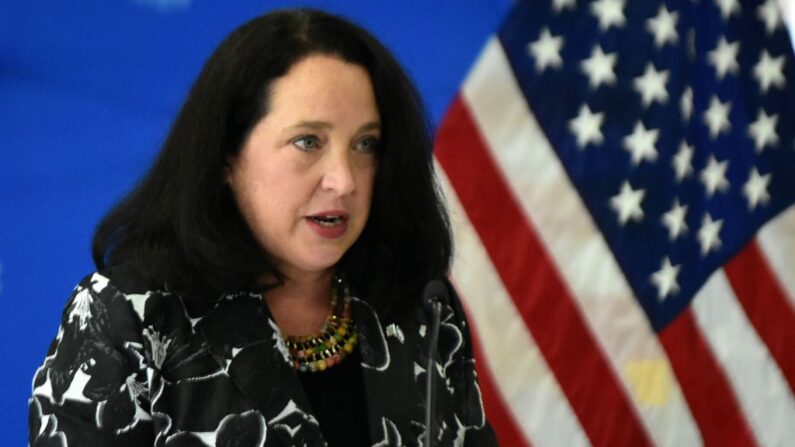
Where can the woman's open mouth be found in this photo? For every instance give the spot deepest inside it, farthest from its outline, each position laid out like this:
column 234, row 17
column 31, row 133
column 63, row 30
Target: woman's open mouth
column 327, row 221
column 329, row 225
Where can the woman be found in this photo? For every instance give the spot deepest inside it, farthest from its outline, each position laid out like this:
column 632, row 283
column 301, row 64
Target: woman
column 262, row 285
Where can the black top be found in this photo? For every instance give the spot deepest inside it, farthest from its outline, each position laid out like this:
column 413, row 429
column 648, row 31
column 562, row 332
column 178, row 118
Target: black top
column 338, row 402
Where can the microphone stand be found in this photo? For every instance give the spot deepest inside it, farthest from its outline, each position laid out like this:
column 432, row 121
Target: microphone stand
column 433, row 292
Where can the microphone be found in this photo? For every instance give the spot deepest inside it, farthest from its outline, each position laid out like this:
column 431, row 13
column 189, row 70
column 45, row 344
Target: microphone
column 435, row 291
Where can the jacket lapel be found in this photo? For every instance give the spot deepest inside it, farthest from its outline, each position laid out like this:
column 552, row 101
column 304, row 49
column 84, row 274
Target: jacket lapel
column 241, row 331
column 389, row 378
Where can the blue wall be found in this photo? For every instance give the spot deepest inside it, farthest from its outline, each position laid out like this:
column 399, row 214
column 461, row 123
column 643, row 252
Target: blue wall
column 88, row 89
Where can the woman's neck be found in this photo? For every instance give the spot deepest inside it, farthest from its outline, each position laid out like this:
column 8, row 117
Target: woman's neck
column 301, row 305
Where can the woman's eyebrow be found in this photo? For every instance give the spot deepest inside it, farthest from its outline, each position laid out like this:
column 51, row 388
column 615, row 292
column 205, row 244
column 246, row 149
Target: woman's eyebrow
column 372, row 125
column 316, row 125
column 323, row 125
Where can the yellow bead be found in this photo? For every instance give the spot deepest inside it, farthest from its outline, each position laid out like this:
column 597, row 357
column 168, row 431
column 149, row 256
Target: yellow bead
column 321, row 365
column 342, row 330
column 349, row 347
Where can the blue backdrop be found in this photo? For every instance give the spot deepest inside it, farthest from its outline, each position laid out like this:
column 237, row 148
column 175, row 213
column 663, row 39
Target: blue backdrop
column 88, row 90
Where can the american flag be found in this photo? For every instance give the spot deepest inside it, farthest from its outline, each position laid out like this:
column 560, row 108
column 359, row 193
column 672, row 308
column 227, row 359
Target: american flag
column 621, row 179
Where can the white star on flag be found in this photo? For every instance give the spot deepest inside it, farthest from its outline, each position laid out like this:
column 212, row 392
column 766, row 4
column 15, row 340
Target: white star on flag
column 763, row 130
column 609, row 13
column 709, row 234
column 769, row 14
column 674, row 220
column 665, row 279
column 755, row 189
column 546, row 50
column 560, row 5
column 717, row 117
column 769, row 71
column 714, row 176
column 663, row 26
column 727, row 8
column 682, row 161
column 627, row 203
column 651, row 85
column 586, row 127
column 724, row 57
column 641, row 143
column 599, row 67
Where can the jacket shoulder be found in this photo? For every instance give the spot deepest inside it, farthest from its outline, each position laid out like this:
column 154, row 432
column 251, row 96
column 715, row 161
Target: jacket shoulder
column 129, row 280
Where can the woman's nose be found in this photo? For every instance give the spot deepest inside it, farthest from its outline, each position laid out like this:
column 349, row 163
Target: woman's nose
column 338, row 174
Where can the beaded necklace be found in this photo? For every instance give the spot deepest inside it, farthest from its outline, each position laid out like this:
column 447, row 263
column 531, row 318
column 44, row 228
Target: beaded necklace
column 335, row 341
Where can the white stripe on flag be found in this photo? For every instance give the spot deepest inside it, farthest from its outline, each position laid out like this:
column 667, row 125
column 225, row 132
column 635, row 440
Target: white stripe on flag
column 761, row 390
column 580, row 254
column 787, row 8
column 520, row 372
column 777, row 241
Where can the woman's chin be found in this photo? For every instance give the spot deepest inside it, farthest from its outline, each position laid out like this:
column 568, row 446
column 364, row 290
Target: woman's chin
column 318, row 263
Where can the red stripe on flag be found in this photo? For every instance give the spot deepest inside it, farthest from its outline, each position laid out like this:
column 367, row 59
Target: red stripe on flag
column 704, row 385
column 535, row 286
column 766, row 304
column 501, row 419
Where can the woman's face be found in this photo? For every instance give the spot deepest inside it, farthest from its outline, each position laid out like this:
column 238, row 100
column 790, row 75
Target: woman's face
column 304, row 178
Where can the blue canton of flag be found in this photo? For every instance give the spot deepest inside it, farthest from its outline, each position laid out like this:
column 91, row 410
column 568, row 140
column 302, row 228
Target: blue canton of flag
column 674, row 120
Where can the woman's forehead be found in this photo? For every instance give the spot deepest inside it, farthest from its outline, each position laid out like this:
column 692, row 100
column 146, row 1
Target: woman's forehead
column 324, row 89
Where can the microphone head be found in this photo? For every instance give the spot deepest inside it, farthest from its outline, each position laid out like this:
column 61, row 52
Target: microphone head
column 435, row 291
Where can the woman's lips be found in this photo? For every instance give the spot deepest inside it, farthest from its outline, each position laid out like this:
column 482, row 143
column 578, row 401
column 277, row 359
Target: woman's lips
column 329, row 225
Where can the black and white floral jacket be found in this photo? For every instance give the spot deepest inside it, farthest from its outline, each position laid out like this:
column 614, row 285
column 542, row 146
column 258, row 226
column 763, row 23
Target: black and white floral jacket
column 133, row 367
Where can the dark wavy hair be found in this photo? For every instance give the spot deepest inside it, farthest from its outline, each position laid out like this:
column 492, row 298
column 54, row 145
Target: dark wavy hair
column 180, row 228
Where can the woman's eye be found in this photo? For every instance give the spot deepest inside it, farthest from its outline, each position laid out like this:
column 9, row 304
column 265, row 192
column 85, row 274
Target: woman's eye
column 368, row 144
column 306, row 143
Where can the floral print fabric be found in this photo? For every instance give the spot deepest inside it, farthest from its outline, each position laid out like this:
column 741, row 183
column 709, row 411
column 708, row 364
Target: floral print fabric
column 131, row 366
